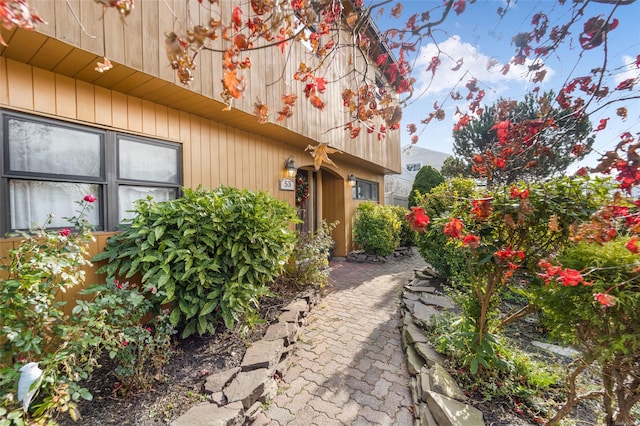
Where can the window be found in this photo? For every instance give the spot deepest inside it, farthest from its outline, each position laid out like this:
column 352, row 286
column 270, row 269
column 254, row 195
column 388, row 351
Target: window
column 365, row 190
column 49, row 165
column 413, row 167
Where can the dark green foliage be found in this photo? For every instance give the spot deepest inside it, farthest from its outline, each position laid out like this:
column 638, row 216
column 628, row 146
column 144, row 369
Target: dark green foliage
column 427, row 178
column 210, row 254
column 407, row 235
column 309, row 263
column 455, row 167
column 376, row 229
column 551, row 149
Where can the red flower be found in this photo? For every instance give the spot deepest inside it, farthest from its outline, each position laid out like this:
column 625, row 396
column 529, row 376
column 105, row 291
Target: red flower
column 471, row 241
column 90, row 198
column 605, row 299
column 632, row 245
column 571, row 277
column 418, row 220
column 125, row 343
column 453, row 228
column 508, row 254
column 64, row 232
column 481, row 208
column 516, row 193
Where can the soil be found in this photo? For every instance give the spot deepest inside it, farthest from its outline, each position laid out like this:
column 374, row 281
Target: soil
column 197, row 357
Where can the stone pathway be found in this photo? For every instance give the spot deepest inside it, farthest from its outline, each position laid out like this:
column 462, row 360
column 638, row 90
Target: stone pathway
column 349, row 366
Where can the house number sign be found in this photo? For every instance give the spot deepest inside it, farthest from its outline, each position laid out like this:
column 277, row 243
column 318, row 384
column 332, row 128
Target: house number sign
column 287, row 185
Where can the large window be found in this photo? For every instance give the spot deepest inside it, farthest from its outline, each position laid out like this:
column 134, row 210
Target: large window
column 48, row 166
column 365, row 190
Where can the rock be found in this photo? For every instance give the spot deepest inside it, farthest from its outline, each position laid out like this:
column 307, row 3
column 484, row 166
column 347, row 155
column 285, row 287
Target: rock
column 425, row 383
column 426, row 351
column 414, row 361
column 298, row 306
column 423, row 289
column 558, row 350
column 426, row 418
column 435, row 300
column 408, row 295
column 253, row 411
column 247, row 387
column 216, row 382
column 443, row 383
column 290, row 316
column 277, row 331
column 262, row 354
column 270, row 390
column 414, row 334
column 449, row 412
column 212, row 415
column 424, row 314
column 415, row 397
column 218, row 398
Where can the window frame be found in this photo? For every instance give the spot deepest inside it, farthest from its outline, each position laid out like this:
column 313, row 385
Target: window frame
column 373, row 188
column 109, row 180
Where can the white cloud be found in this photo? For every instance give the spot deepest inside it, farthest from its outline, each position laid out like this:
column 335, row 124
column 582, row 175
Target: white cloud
column 477, row 65
column 628, row 69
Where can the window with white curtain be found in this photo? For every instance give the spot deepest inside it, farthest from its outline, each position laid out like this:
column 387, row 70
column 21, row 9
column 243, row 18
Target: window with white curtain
column 49, row 166
column 365, row 190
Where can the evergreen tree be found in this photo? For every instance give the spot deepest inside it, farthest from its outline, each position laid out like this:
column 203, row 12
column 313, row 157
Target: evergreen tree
column 427, row 178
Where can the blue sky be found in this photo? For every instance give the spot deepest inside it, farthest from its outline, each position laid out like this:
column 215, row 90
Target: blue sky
column 480, row 37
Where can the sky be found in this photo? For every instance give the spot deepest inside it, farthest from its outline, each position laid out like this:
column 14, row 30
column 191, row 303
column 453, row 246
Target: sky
column 480, row 38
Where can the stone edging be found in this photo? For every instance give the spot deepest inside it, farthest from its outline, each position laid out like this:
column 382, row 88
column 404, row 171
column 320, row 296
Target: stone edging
column 236, row 395
column 437, row 399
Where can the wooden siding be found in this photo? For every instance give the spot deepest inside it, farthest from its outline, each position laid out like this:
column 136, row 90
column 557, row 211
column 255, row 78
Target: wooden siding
column 142, row 70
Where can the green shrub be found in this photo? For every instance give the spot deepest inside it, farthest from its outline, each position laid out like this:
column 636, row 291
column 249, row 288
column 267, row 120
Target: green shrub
column 210, row 253
column 407, row 235
column 140, row 349
column 376, row 229
column 426, row 179
column 444, row 197
column 309, row 264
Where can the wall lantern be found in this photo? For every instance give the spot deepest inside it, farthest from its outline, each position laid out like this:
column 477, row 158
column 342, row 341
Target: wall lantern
column 290, row 166
column 351, row 180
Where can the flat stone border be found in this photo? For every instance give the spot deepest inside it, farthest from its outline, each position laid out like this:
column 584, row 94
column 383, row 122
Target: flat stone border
column 437, row 399
column 362, row 257
column 236, row 395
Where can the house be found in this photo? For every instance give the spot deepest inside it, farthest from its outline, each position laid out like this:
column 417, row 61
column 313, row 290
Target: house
column 397, row 188
column 135, row 130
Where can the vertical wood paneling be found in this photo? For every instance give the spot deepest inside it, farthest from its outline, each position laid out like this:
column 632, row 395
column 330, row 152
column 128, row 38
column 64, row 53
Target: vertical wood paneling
column 91, row 17
column 196, row 152
column 174, row 124
column 65, row 96
column 120, row 110
column 162, row 122
column 4, row 89
column 46, row 10
column 133, row 52
column 44, row 91
column 20, row 84
column 216, row 160
column 114, row 29
column 67, row 27
column 148, row 118
column 223, row 144
column 205, row 155
column 85, row 98
column 185, row 138
column 103, row 106
column 152, row 32
column 134, row 113
column 165, row 24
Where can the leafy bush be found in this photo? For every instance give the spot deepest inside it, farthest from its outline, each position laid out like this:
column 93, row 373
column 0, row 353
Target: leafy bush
column 407, row 235
column 607, row 331
column 426, row 179
column 376, row 229
column 209, row 253
column 140, row 348
column 444, row 197
column 309, row 263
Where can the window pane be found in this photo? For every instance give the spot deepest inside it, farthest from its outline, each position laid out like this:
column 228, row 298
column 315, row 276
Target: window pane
column 33, row 201
column 145, row 161
column 374, row 191
column 46, row 148
column 127, row 195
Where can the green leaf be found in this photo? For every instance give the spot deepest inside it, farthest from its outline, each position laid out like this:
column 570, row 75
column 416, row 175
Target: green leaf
column 174, row 318
column 189, row 329
column 208, row 307
column 86, row 395
column 474, row 366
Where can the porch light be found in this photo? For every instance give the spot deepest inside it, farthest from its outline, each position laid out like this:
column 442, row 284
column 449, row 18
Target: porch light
column 290, row 166
column 351, row 180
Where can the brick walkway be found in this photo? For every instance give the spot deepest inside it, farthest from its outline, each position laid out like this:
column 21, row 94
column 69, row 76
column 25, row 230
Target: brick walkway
column 349, row 366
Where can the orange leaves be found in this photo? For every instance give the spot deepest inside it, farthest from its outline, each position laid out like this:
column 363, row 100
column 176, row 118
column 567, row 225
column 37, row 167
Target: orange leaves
column 104, row 66
column 320, row 154
column 17, row 13
column 236, row 17
column 314, row 84
column 261, row 111
column 286, row 112
column 179, row 58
